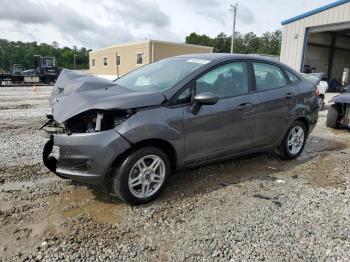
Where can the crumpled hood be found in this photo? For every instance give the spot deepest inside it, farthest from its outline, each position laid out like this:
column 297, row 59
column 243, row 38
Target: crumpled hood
column 75, row 93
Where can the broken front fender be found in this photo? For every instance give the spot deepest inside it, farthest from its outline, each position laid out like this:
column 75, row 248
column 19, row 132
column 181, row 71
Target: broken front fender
column 84, row 157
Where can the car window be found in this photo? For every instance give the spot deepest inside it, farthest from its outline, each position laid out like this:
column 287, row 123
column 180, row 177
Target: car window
column 268, row 76
column 184, row 97
column 225, row 81
column 311, row 79
column 292, row 77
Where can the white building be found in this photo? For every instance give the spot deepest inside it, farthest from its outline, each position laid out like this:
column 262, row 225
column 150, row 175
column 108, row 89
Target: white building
column 319, row 40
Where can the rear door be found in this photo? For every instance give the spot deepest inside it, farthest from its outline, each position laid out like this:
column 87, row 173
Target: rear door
column 227, row 127
column 276, row 98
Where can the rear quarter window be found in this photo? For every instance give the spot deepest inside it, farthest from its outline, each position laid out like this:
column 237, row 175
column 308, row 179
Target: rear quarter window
column 268, row 76
column 292, row 77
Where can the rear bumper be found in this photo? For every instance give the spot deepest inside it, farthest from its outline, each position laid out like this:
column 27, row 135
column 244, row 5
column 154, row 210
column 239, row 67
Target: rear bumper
column 84, row 157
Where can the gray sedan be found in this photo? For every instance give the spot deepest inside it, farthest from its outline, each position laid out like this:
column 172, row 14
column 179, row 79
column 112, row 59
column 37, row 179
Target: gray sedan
column 186, row 111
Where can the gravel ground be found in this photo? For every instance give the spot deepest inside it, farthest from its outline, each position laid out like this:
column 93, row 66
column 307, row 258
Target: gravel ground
column 256, row 208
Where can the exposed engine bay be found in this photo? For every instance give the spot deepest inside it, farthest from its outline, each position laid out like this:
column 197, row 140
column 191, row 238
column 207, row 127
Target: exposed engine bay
column 88, row 122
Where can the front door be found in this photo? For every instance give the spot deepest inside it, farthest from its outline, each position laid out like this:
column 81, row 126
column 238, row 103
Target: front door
column 227, row 127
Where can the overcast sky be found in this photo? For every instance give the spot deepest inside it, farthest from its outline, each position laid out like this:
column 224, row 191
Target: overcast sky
column 99, row 23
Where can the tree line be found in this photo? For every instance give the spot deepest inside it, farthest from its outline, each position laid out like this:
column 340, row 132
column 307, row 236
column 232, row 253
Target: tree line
column 268, row 43
column 17, row 52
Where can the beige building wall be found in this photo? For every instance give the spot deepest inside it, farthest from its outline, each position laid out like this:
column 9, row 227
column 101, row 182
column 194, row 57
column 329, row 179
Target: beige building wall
column 151, row 51
column 293, row 36
column 128, row 58
column 163, row 50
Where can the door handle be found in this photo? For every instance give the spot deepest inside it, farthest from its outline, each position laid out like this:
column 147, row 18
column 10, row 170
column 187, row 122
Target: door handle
column 244, row 107
column 289, row 96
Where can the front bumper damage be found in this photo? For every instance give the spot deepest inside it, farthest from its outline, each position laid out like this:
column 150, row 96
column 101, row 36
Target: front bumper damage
column 84, row 157
column 85, row 112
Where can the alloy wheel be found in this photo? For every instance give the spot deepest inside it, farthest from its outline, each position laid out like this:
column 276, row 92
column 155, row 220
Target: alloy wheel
column 295, row 140
column 320, row 103
column 146, row 176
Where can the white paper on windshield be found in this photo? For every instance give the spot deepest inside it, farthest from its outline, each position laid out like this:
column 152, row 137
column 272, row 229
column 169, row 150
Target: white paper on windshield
column 198, row 61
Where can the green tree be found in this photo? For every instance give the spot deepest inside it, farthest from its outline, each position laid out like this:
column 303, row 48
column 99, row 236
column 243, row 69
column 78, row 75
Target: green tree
column 269, row 43
column 17, row 52
column 222, row 43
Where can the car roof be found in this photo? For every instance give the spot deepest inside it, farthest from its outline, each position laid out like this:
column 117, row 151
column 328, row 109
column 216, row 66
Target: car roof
column 221, row 57
column 226, row 56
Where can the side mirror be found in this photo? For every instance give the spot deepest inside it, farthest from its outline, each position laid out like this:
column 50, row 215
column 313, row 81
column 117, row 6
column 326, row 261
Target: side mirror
column 206, row 98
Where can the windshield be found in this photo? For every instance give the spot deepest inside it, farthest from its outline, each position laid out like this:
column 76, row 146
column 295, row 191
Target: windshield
column 160, row 76
column 48, row 62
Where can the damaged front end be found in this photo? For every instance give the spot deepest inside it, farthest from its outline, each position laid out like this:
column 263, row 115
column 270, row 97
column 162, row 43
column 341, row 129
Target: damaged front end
column 89, row 122
column 96, row 121
column 85, row 112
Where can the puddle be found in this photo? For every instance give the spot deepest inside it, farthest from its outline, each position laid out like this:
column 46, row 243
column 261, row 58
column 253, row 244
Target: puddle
column 316, row 145
column 97, row 205
column 232, row 172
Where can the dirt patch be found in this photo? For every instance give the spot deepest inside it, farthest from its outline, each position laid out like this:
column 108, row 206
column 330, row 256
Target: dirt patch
column 75, row 210
column 327, row 180
column 19, row 127
column 324, row 171
column 21, row 106
column 22, row 173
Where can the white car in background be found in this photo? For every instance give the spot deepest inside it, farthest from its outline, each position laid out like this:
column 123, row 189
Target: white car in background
column 318, row 79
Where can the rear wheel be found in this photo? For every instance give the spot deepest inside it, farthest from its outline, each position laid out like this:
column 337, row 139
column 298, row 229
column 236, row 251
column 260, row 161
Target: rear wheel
column 333, row 116
column 141, row 176
column 294, row 141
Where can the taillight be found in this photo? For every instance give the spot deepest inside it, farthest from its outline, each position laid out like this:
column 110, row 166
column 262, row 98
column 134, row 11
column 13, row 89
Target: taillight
column 317, row 91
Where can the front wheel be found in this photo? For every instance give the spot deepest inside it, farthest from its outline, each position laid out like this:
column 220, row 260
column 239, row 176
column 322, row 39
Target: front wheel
column 294, row 141
column 141, row 176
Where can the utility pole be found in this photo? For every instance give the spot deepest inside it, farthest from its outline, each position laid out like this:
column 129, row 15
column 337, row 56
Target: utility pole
column 233, row 9
column 75, row 62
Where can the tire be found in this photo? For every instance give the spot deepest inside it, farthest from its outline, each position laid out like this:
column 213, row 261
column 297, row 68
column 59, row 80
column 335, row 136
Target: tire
column 291, row 147
column 320, row 103
column 333, row 117
column 129, row 172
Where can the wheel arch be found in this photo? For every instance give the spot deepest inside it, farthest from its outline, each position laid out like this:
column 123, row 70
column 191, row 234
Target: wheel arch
column 305, row 122
column 164, row 145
